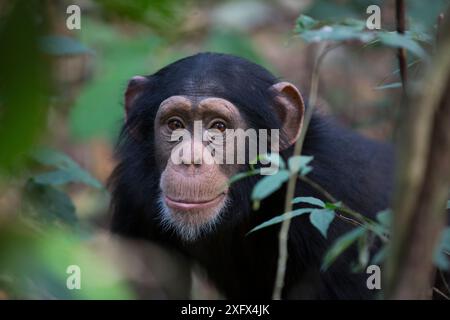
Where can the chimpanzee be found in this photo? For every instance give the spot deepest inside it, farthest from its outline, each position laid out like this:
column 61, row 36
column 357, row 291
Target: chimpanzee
column 188, row 205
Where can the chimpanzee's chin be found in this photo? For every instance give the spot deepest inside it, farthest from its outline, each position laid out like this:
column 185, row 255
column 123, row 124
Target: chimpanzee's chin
column 191, row 221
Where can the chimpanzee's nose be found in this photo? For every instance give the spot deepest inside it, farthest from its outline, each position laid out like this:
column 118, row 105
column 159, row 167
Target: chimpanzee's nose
column 194, row 155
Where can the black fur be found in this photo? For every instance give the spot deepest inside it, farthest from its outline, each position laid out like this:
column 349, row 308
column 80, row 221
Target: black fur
column 353, row 169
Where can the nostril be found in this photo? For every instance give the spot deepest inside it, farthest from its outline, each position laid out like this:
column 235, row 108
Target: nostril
column 183, row 160
column 190, row 162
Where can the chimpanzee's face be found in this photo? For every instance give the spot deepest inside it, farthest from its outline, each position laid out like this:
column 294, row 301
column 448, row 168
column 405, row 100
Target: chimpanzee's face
column 198, row 137
column 190, row 132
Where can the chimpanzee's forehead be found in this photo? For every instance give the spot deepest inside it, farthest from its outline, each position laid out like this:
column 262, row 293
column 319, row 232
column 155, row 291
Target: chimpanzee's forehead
column 196, row 90
column 195, row 86
column 198, row 107
column 210, row 74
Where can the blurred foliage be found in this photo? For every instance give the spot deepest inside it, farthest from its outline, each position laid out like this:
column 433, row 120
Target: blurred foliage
column 234, row 42
column 323, row 9
column 48, row 204
column 98, row 110
column 62, row 45
column 36, row 249
column 66, row 171
column 24, row 82
column 421, row 14
column 343, row 31
column 161, row 15
column 442, row 252
column 44, row 198
column 312, row 30
column 34, row 265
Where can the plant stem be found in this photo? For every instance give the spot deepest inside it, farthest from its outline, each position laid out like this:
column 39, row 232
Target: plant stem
column 357, row 218
column 284, row 231
column 401, row 53
column 421, row 181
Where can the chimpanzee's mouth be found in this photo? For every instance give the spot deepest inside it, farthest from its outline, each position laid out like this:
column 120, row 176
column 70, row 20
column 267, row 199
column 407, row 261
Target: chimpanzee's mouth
column 189, row 205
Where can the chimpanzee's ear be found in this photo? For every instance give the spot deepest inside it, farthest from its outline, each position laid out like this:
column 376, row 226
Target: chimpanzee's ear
column 291, row 109
column 134, row 89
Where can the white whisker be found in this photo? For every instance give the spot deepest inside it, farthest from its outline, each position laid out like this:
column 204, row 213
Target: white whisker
column 189, row 229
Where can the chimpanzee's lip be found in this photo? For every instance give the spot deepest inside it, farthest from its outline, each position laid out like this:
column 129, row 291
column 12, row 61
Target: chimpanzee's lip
column 186, row 205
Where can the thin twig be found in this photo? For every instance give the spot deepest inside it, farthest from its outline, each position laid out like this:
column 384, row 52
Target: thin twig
column 284, row 231
column 401, row 53
column 444, row 281
column 357, row 218
column 421, row 184
column 441, row 293
column 319, row 188
column 330, row 198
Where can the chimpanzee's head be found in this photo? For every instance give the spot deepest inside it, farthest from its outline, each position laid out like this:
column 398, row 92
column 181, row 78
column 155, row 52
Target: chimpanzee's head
column 172, row 164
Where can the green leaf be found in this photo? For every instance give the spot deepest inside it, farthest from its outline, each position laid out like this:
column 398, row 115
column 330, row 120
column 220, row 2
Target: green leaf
column 58, row 177
column 281, row 218
column 53, row 158
column 296, row 163
column 340, row 245
column 355, row 30
column 49, row 203
column 61, row 177
column 310, row 200
column 440, row 257
column 420, row 36
column 321, row 219
column 305, row 170
column 385, row 217
column 275, row 161
column 333, row 206
column 445, row 239
column 440, row 260
column 380, row 256
column 394, row 85
column 363, row 252
column 395, row 39
column 69, row 170
column 269, row 184
column 355, row 23
column 337, row 33
column 304, row 23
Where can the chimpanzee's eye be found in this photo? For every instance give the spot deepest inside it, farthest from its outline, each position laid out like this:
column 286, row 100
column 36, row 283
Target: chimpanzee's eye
column 219, row 125
column 175, row 124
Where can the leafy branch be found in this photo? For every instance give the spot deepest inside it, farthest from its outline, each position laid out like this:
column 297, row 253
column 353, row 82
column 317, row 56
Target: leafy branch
column 322, row 214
